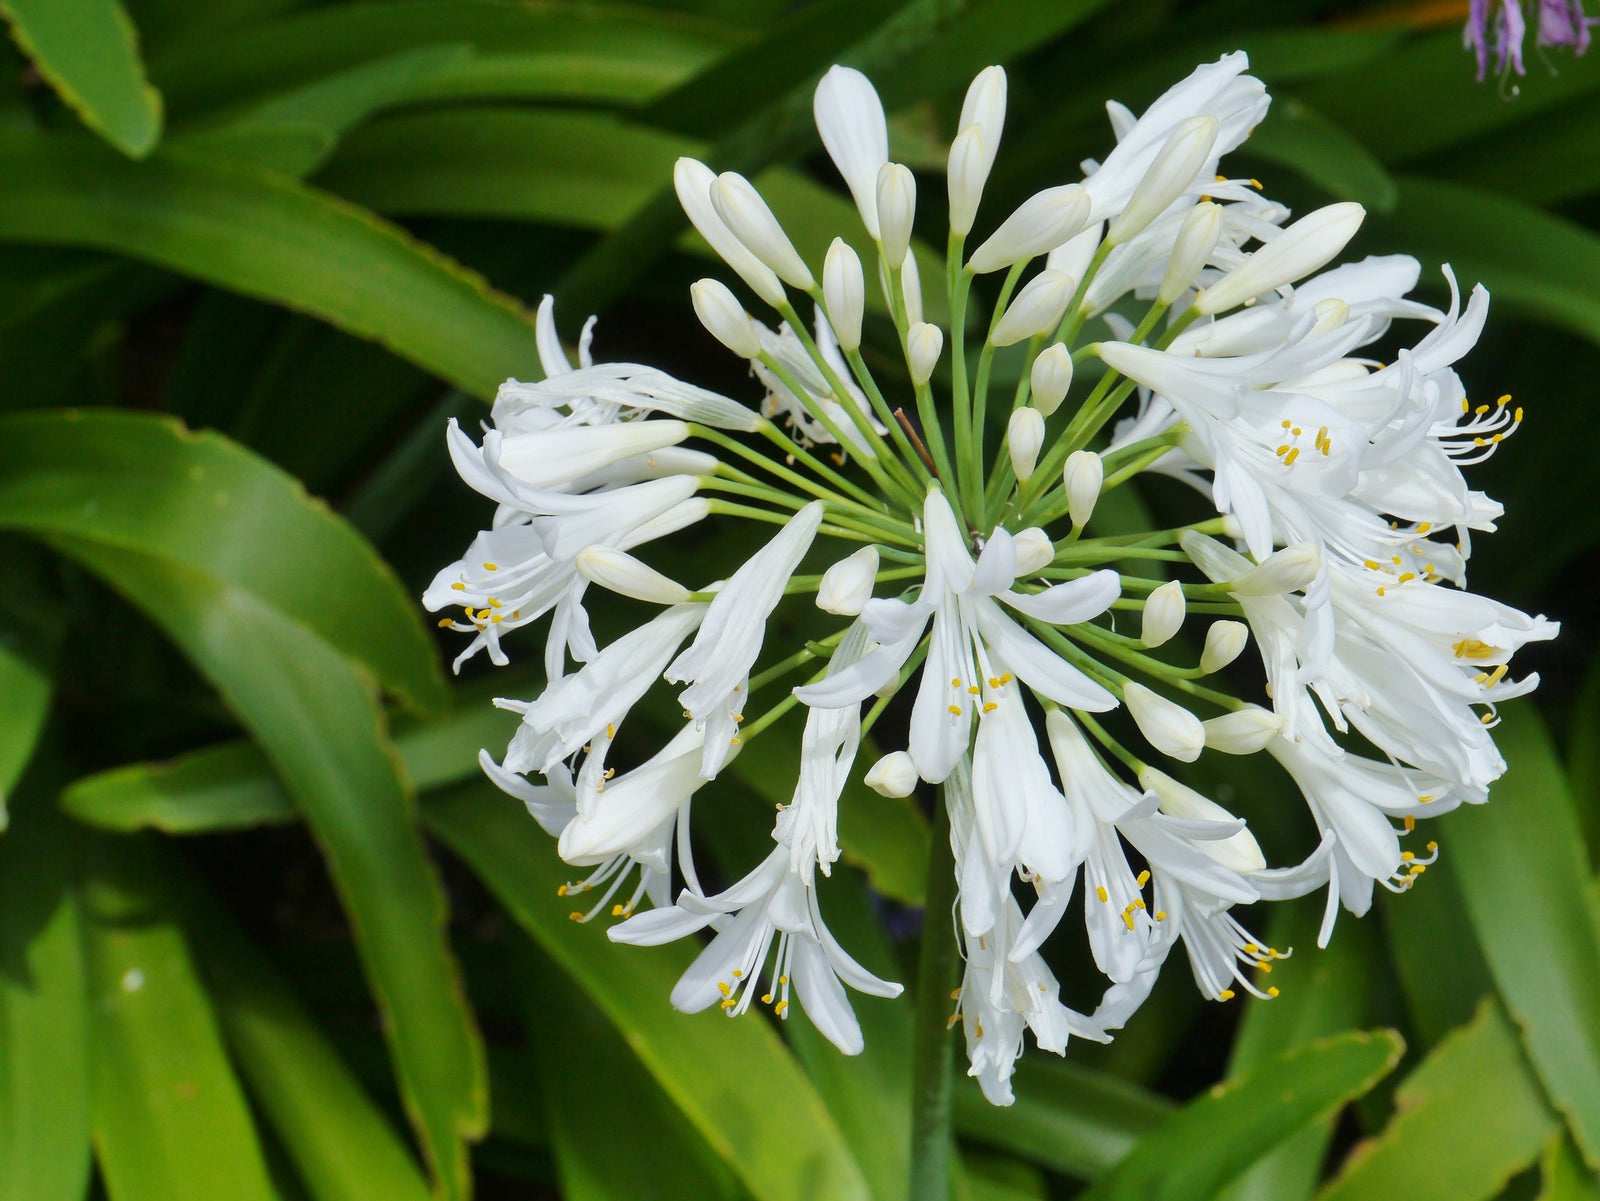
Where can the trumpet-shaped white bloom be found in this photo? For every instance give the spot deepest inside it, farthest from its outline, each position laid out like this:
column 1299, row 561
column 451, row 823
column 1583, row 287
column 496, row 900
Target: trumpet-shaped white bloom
column 1331, row 524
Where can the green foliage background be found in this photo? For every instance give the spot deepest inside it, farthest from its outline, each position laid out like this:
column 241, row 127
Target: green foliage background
column 265, row 933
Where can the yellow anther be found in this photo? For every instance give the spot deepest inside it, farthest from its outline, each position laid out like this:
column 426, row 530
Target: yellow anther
column 496, row 619
column 1144, row 878
column 1288, row 459
column 491, row 567
column 563, row 890
column 955, row 994
column 1497, row 675
column 458, row 586
column 1423, row 800
column 575, row 916
column 1517, row 416
column 951, row 1024
column 724, row 988
column 783, row 979
column 1273, row 991
column 1264, row 965
column 1424, row 527
column 446, row 622
column 1481, row 410
column 1417, row 869
column 1407, row 856
column 1433, row 846
column 1383, row 592
column 990, row 707
column 1471, row 648
column 955, row 710
column 1503, row 401
column 974, row 690
column 1225, row 995
column 738, row 719
column 1486, row 718
column 1295, row 431
column 1282, row 450
column 1138, row 903
column 1373, row 565
column 1254, row 183
column 1250, row 948
column 1407, row 576
column 1480, row 442
column 994, row 681
column 738, row 973
column 495, row 604
column 1127, row 917
column 1102, row 893
column 611, row 729
column 766, row 998
column 616, row 910
column 1411, row 823
column 1161, row 915
column 955, row 682
column 1287, row 423
column 1005, row 677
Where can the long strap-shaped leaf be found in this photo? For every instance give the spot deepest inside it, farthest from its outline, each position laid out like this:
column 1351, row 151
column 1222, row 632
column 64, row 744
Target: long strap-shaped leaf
column 89, row 51
column 267, row 236
column 253, row 632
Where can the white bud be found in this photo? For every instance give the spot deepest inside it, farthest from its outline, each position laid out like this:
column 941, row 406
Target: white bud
column 1082, row 476
column 1239, row 852
column 1034, row 550
column 966, row 174
column 720, row 312
column 1163, row 614
column 850, row 119
column 750, row 220
column 1051, row 377
column 1168, row 727
column 895, row 775
column 1172, row 173
column 1041, row 223
column 844, row 291
column 1243, row 732
column 985, row 106
column 923, row 344
column 692, row 180
column 846, row 587
column 1299, row 250
column 1191, row 250
column 897, row 208
column 911, row 289
column 1024, row 437
column 1037, row 309
column 1225, row 642
column 620, row 572
column 1331, row 314
column 1287, row 570
column 1074, row 255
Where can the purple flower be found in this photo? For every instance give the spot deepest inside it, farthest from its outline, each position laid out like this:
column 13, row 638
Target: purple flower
column 1561, row 23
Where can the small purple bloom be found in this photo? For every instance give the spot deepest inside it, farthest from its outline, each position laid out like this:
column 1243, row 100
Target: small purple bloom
column 1560, row 23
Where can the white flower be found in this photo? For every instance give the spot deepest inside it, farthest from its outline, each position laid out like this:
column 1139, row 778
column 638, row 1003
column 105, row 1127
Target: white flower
column 894, row 775
column 846, row 587
column 850, row 119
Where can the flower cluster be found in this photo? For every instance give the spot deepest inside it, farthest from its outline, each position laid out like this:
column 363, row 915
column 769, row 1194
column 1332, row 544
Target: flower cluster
column 1336, row 538
column 1502, row 27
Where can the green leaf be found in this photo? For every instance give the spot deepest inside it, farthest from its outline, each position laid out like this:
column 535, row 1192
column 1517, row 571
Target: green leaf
column 1523, row 872
column 732, row 1078
column 1583, row 760
column 170, row 1121
column 147, row 485
column 44, row 1018
column 1302, row 139
column 1466, row 1121
column 522, row 51
column 1321, row 992
column 1528, row 259
column 1564, row 1178
column 342, row 1146
column 24, row 704
column 89, row 51
column 1069, row 1118
column 1212, row 1140
column 266, row 236
column 251, row 625
column 1435, row 953
column 1542, row 162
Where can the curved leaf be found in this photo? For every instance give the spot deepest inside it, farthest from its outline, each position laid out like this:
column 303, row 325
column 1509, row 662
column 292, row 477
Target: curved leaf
column 24, row 704
column 732, row 1078
column 266, row 236
column 1467, row 1120
column 170, row 1122
column 89, row 51
column 1213, row 1139
column 1296, row 136
column 1523, row 872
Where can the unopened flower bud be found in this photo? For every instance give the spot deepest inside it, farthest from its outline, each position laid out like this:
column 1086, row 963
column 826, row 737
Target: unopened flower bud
column 1331, row 314
column 966, row 174
column 1243, row 732
column 1239, row 851
column 1024, row 437
column 621, row 573
column 1051, row 377
column 1034, row 310
column 1163, row 614
column 1225, row 642
column 720, row 312
column 923, row 344
column 844, row 291
column 749, row 219
column 1287, row 570
column 1082, row 476
column 1034, row 550
column 897, row 207
column 895, row 775
column 1168, row 727
column 693, row 179
column 1191, row 250
column 846, row 587
column 1172, row 172
column 1041, row 223
column 911, row 289
column 985, row 106
column 1299, row 250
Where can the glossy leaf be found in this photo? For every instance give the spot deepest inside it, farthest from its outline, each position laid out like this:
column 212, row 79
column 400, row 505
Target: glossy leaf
column 44, row 1015
column 170, row 1121
column 1069, row 1118
column 24, row 704
column 1523, row 871
column 1213, row 1139
column 266, row 236
column 732, row 1078
column 1467, row 1120
column 89, row 51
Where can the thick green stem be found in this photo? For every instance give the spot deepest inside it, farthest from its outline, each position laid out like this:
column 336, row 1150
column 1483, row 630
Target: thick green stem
column 931, row 1064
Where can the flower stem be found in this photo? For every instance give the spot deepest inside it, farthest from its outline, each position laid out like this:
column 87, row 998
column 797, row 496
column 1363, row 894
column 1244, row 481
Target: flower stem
column 936, row 976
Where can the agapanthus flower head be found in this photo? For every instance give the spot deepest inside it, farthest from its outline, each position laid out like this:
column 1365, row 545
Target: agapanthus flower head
column 1159, row 317
column 1501, row 26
